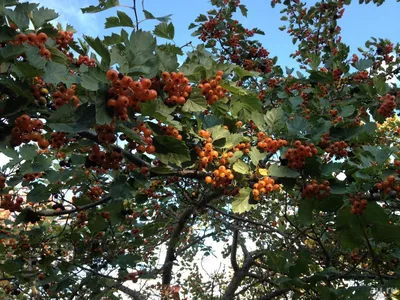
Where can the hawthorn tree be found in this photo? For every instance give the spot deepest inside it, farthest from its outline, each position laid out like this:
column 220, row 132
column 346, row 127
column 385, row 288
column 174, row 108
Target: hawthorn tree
column 112, row 150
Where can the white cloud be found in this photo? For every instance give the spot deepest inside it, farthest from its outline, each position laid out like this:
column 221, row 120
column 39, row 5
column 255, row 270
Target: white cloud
column 70, row 12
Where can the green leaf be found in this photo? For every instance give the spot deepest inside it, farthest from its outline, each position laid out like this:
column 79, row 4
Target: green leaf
column 347, row 111
column 43, row 15
column 305, row 210
column 168, row 61
column 40, row 193
column 149, row 16
column 241, row 167
column 55, row 73
column 93, row 78
column 386, row 233
column 171, row 150
column 241, row 201
column 381, row 154
column 258, row 119
column 123, row 20
column 100, row 48
column 243, row 10
column 244, row 107
column 130, row 133
column 165, row 30
column 274, row 119
column 381, row 86
column 128, row 260
column 25, row 70
column 363, row 64
column 375, row 214
column 20, row 15
column 170, row 48
column 282, row 171
column 195, row 105
column 10, row 52
column 33, row 56
column 162, row 170
column 256, row 156
column 103, row 5
column 120, row 188
column 7, row 33
column 296, row 101
column 70, row 119
column 140, row 54
column 102, row 116
column 298, row 126
column 28, row 152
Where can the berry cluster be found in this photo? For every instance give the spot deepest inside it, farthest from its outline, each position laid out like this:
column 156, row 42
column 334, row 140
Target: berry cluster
column 63, row 95
column 361, row 76
column 388, row 105
column 8, row 202
column 106, row 133
column 224, row 158
column 171, row 131
column 145, row 133
column 212, row 90
column 34, row 39
column 134, row 276
column 126, row 93
column 58, row 139
column 2, row 182
column 63, row 39
column 33, row 176
column 338, row 149
column 85, row 60
column 316, row 190
column 336, row 74
column 95, row 193
column 40, row 92
column 358, row 205
column 244, row 147
column 105, row 160
column 388, row 185
column 268, row 144
column 297, row 156
column 25, row 130
column 397, row 164
column 177, row 87
column 264, row 186
column 220, row 178
column 207, row 153
column 338, row 119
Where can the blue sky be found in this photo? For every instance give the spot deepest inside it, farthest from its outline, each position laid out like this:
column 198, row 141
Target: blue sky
column 359, row 23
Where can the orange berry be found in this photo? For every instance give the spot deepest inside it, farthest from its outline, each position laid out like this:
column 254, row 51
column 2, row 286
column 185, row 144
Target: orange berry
column 112, row 75
column 208, row 179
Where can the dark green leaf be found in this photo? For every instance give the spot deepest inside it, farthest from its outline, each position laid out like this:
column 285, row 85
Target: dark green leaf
column 165, row 30
column 103, row 5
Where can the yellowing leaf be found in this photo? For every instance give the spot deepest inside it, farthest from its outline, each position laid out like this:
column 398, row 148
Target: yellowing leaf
column 263, row 172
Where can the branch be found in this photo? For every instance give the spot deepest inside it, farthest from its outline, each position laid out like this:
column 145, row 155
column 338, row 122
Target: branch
column 134, row 295
column 274, row 294
column 270, row 228
column 142, row 163
column 71, row 211
column 237, row 279
column 235, row 238
column 371, row 250
column 174, row 240
column 136, row 15
column 128, row 155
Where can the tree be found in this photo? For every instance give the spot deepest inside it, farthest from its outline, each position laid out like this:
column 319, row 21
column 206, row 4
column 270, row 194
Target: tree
column 115, row 150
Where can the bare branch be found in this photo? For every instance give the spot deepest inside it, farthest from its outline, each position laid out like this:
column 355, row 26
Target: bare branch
column 71, row 211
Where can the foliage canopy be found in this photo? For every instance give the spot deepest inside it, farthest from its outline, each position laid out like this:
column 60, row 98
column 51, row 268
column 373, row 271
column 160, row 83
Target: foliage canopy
column 114, row 150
